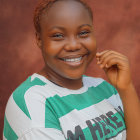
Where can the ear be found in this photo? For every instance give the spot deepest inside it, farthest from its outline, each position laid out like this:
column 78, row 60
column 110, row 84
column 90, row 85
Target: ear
column 38, row 40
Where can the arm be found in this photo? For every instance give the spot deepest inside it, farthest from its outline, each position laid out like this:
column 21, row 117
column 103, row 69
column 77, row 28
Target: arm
column 116, row 67
column 131, row 112
column 30, row 118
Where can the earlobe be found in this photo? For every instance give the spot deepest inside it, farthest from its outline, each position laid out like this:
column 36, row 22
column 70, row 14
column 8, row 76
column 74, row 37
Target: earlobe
column 38, row 40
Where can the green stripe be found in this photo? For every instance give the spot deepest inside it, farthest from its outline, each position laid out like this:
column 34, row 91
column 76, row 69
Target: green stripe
column 51, row 119
column 94, row 95
column 19, row 93
column 8, row 131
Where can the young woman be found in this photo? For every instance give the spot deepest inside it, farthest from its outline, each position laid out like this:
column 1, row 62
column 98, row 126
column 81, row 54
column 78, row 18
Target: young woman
column 59, row 102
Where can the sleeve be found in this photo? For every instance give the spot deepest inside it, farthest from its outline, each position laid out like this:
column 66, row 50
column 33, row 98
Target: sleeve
column 45, row 124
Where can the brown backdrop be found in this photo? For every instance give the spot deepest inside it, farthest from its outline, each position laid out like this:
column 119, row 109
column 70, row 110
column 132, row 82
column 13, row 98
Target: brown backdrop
column 117, row 27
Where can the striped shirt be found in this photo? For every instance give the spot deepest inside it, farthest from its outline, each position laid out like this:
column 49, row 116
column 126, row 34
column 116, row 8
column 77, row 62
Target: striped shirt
column 41, row 110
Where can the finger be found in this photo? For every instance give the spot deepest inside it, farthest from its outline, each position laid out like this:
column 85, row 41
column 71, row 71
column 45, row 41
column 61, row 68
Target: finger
column 107, row 52
column 104, row 60
column 98, row 54
column 121, row 64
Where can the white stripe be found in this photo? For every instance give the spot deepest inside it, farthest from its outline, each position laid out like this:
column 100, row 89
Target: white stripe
column 87, row 80
column 43, row 134
column 35, row 101
column 121, row 136
column 47, row 91
column 115, row 100
column 91, row 81
column 18, row 121
column 38, row 76
column 53, row 89
column 4, row 137
column 79, row 117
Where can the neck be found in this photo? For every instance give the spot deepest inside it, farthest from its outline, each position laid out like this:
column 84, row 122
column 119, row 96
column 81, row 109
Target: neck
column 62, row 81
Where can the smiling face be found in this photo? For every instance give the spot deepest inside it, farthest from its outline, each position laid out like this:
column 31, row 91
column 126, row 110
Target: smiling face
column 67, row 40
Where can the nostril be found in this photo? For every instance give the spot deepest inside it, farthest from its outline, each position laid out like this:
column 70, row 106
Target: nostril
column 73, row 45
column 72, row 48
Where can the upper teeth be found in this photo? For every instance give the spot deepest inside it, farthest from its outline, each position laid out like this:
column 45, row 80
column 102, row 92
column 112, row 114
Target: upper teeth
column 73, row 59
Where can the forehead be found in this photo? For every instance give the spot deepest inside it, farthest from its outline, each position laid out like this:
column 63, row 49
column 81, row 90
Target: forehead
column 66, row 12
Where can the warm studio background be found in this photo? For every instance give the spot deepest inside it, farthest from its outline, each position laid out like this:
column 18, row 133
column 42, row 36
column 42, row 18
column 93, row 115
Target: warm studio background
column 117, row 27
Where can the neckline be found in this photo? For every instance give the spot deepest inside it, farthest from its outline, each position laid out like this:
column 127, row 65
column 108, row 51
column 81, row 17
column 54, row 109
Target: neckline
column 57, row 87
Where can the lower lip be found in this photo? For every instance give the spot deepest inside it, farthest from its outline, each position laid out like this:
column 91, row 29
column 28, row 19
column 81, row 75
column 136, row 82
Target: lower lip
column 75, row 64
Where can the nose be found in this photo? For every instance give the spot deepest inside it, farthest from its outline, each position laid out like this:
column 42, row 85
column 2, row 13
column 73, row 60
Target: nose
column 73, row 44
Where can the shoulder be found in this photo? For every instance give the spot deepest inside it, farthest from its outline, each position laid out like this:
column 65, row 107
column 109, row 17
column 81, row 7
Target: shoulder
column 91, row 81
column 29, row 83
column 95, row 82
column 28, row 91
column 100, row 85
column 23, row 106
column 103, row 90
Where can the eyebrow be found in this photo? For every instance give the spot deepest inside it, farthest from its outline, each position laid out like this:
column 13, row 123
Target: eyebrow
column 85, row 25
column 62, row 28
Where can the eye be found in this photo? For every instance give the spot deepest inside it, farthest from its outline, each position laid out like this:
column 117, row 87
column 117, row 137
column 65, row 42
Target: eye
column 57, row 36
column 84, row 33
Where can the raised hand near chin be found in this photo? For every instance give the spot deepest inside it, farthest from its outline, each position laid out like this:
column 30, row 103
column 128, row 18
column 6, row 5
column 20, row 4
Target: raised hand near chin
column 116, row 67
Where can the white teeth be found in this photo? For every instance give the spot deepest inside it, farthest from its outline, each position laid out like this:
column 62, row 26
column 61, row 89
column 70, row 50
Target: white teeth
column 73, row 59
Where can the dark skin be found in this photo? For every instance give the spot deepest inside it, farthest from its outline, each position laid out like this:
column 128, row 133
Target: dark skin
column 68, row 46
column 64, row 39
column 117, row 69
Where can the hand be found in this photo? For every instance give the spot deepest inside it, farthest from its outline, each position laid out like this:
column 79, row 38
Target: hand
column 116, row 67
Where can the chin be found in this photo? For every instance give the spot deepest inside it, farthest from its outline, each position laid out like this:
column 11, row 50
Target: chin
column 74, row 76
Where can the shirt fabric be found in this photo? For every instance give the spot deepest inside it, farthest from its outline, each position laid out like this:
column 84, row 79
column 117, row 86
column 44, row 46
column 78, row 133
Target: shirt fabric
column 41, row 110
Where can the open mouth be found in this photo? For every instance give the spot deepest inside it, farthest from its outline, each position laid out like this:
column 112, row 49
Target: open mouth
column 74, row 60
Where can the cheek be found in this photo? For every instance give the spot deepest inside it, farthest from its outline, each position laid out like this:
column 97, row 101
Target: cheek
column 91, row 45
column 53, row 47
column 49, row 49
column 92, row 48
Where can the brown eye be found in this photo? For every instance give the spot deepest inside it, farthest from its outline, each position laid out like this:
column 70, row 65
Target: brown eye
column 58, row 36
column 84, row 33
